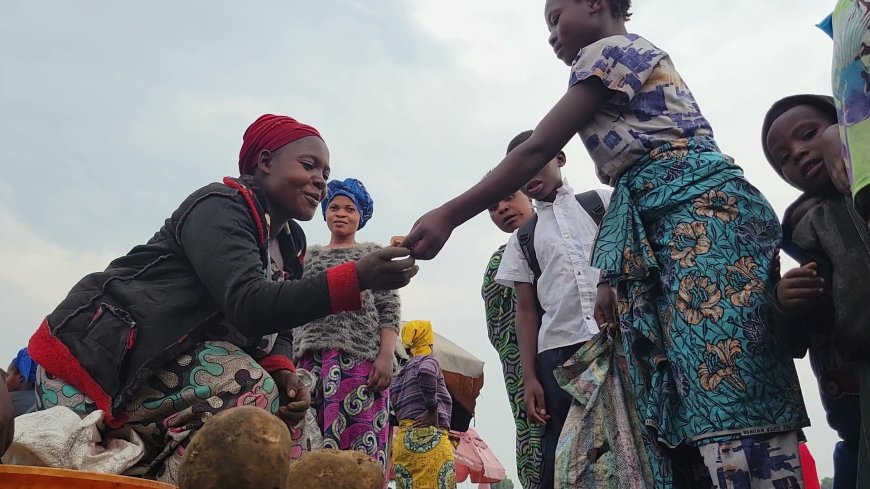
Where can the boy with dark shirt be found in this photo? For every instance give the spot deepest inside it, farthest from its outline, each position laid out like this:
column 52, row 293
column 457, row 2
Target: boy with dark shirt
column 821, row 306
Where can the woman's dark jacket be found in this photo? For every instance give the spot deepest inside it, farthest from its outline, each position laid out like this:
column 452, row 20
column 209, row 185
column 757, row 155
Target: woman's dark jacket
column 209, row 264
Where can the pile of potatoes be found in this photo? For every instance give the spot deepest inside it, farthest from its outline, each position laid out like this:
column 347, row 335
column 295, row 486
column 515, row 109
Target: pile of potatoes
column 249, row 448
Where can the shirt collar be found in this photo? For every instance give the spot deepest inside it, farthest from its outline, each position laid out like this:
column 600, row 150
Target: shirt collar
column 284, row 230
column 562, row 192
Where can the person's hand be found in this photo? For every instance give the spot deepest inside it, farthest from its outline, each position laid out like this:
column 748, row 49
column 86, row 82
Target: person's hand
column 429, row 234
column 7, row 419
column 776, row 271
column 381, row 374
column 427, row 419
column 294, row 397
column 533, row 392
column 798, row 286
column 379, row 271
column 834, row 161
column 605, row 306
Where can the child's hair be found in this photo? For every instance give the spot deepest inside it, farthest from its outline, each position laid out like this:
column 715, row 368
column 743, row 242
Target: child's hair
column 620, row 8
column 518, row 140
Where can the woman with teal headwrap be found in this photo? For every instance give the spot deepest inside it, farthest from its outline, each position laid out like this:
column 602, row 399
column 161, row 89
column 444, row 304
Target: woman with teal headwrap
column 351, row 354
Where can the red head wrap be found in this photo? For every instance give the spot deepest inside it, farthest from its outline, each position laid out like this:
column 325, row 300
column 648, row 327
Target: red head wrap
column 270, row 132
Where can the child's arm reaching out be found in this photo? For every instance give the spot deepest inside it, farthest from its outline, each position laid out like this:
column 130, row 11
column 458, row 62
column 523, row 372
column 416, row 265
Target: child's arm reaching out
column 571, row 113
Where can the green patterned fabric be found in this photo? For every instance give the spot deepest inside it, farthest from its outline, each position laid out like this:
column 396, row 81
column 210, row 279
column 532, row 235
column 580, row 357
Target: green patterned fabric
column 500, row 302
column 601, row 445
column 177, row 400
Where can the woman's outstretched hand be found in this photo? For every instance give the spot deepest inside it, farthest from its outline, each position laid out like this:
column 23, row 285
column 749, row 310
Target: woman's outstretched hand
column 429, row 234
column 381, row 270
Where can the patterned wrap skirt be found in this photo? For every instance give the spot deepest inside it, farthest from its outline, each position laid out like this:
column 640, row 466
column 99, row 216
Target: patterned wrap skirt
column 423, row 458
column 689, row 245
column 176, row 401
column 350, row 417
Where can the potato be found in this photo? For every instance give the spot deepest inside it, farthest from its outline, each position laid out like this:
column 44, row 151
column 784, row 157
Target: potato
column 336, row 469
column 240, row 448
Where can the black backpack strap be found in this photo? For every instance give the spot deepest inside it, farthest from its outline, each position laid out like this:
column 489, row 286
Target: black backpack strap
column 526, row 237
column 592, row 204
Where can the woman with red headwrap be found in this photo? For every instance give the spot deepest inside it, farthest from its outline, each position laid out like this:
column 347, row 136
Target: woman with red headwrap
column 192, row 322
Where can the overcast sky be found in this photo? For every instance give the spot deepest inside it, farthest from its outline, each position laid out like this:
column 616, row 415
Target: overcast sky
column 113, row 112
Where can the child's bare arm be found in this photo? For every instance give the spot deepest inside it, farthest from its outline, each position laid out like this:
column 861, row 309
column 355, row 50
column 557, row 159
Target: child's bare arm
column 551, row 135
column 834, row 161
column 528, row 322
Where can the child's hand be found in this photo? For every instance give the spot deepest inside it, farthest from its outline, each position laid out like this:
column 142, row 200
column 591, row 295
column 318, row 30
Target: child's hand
column 533, row 392
column 378, row 270
column 834, row 161
column 381, row 374
column 605, row 306
column 429, row 234
column 798, row 286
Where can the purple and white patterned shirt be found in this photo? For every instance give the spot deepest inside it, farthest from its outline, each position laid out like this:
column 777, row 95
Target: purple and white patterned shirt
column 650, row 104
column 418, row 384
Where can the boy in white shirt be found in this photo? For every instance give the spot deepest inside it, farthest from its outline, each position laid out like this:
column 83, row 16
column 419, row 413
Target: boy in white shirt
column 556, row 297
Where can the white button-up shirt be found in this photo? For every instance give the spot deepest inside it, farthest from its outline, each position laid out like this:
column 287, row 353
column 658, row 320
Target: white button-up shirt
column 564, row 237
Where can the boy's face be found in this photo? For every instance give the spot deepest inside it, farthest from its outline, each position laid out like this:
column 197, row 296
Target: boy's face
column 796, row 143
column 544, row 185
column 511, row 212
column 14, row 382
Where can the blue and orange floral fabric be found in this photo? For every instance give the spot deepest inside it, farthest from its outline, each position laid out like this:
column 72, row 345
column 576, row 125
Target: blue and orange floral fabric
column 690, row 245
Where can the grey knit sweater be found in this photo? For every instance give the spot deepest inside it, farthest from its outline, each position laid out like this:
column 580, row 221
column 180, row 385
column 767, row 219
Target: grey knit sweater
column 356, row 333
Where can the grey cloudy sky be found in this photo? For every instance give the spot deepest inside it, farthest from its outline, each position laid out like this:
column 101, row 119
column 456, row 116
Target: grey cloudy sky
column 114, row 111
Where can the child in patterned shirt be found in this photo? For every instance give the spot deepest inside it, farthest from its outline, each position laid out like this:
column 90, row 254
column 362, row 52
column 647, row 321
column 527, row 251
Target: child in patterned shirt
column 687, row 241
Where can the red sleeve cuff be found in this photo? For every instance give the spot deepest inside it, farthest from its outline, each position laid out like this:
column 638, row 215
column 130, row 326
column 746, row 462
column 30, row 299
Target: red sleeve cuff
column 274, row 363
column 344, row 293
